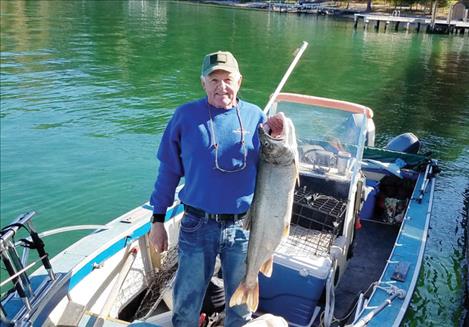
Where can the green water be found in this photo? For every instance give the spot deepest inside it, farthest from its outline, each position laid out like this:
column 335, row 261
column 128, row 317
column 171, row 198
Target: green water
column 88, row 86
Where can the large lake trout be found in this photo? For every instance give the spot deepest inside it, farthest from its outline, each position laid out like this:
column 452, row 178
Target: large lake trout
column 270, row 213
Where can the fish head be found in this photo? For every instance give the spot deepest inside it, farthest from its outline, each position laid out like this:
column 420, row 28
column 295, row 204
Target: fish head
column 282, row 148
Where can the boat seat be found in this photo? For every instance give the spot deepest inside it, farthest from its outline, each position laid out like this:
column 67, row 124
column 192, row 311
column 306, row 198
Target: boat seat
column 331, row 187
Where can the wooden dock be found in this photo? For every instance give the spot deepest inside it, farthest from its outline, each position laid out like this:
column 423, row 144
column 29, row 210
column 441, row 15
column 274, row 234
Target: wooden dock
column 438, row 26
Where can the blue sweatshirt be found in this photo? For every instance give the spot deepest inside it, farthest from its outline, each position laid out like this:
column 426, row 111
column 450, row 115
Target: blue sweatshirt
column 186, row 150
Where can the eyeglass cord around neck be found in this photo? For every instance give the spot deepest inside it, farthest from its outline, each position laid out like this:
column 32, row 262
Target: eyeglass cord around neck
column 215, row 144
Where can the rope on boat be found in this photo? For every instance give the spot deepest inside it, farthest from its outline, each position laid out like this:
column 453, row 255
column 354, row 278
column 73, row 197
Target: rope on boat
column 160, row 283
column 330, row 296
column 127, row 262
column 393, row 291
column 357, row 308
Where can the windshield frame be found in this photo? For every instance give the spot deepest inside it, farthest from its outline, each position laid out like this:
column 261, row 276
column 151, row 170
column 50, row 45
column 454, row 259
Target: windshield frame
column 325, row 135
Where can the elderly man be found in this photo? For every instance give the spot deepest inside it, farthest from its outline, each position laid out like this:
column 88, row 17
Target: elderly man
column 213, row 142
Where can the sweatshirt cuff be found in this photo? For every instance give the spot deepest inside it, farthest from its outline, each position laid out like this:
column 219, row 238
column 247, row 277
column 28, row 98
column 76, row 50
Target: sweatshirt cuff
column 158, row 218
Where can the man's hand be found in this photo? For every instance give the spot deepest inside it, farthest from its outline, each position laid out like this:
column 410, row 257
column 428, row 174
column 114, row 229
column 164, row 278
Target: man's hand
column 275, row 123
column 159, row 237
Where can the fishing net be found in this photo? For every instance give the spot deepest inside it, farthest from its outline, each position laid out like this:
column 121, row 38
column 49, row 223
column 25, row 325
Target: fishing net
column 160, row 282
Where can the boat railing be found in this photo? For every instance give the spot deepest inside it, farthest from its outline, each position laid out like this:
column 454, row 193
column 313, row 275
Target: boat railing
column 430, row 172
column 14, row 266
column 18, row 267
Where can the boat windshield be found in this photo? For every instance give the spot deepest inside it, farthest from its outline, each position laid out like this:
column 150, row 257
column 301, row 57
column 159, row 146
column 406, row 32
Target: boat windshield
column 330, row 133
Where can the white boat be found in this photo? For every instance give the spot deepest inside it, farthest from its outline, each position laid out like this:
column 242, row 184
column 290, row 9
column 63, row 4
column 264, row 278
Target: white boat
column 357, row 237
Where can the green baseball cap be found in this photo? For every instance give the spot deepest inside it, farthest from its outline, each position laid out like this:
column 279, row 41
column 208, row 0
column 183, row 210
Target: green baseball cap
column 223, row 60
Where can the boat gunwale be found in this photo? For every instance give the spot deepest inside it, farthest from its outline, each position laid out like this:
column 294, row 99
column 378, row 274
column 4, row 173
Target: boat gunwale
column 419, row 262
column 134, row 232
column 325, row 103
column 404, row 304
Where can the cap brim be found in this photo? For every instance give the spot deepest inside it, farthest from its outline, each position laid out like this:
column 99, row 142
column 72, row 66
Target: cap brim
column 229, row 69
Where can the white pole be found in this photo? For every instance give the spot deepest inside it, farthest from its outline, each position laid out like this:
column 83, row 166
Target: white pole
column 299, row 53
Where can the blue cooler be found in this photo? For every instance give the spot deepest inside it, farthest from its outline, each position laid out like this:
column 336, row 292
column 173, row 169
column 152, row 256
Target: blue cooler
column 295, row 287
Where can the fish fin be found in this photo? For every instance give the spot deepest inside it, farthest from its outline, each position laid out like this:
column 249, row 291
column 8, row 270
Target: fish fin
column 294, row 145
column 297, row 167
column 286, row 231
column 297, row 164
column 253, row 298
column 267, row 267
column 245, row 295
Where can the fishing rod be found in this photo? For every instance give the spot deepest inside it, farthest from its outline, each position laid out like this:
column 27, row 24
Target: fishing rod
column 299, row 53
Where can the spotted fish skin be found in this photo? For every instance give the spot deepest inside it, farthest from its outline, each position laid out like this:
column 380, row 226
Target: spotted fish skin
column 271, row 210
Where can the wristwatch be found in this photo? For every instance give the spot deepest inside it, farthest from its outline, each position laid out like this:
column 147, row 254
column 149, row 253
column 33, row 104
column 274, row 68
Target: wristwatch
column 157, row 218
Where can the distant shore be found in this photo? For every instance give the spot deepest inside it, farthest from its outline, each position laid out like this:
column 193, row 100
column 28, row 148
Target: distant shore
column 322, row 8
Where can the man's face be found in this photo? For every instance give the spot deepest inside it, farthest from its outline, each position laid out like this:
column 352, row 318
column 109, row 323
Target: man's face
column 221, row 88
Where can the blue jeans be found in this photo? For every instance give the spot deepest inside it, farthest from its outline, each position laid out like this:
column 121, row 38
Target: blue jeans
column 200, row 241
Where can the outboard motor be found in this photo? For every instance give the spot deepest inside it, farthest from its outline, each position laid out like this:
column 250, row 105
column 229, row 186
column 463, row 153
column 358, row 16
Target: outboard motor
column 406, row 142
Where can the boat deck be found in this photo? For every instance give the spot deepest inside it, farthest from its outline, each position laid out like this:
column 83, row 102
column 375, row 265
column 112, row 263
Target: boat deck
column 373, row 244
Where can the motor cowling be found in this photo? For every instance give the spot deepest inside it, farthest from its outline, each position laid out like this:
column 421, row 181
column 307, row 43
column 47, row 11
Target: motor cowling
column 406, row 142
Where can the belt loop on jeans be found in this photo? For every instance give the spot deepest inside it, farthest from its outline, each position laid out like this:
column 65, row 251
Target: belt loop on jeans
column 213, row 216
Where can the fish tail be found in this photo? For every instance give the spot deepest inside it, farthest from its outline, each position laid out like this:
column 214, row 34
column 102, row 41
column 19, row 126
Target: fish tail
column 246, row 295
column 253, row 298
column 240, row 295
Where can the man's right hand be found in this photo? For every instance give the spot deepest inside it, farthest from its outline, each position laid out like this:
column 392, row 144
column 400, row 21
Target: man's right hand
column 275, row 123
column 159, row 237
